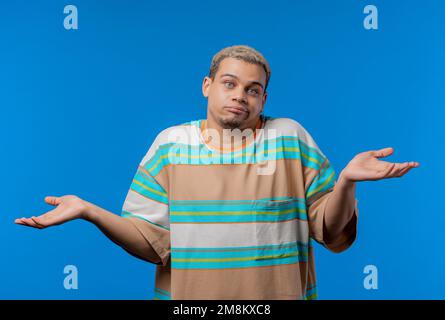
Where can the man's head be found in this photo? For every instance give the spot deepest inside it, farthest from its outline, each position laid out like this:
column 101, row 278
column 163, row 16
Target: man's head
column 236, row 87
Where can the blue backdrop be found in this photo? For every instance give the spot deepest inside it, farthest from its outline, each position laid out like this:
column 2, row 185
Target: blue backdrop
column 79, row 109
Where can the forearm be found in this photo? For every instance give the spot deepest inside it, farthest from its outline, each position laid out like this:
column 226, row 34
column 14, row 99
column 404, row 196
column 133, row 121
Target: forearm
column 121, row 231
column 340, row 207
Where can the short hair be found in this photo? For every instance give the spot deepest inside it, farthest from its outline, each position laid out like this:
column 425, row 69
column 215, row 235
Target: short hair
column 241, row 52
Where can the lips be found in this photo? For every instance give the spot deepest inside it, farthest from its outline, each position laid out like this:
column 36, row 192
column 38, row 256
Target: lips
column 236, row 109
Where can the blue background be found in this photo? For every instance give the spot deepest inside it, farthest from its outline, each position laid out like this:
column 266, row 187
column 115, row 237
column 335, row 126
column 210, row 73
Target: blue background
column 79, row 109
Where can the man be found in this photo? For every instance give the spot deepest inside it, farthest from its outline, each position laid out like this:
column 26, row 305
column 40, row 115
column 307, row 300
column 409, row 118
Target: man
column 227, row 219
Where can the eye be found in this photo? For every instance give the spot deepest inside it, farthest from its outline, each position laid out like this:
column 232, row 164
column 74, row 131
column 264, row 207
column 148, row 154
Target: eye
column 229, row 84
column 253, row 92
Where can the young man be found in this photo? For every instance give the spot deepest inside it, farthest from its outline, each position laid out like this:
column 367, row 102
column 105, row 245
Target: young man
column 227, row 219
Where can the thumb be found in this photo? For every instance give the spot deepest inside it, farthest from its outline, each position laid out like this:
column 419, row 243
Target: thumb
column 383, row 152
column 55, row 201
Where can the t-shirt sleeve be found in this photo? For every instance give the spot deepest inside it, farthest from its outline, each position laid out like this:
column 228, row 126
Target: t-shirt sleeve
column 320, row 179
column 147, row 206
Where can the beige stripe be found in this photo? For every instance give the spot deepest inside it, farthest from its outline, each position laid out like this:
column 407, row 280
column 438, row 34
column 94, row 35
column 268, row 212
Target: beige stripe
column 285, row 282
column 158, row 238
column 235, row 182
column 163, row 277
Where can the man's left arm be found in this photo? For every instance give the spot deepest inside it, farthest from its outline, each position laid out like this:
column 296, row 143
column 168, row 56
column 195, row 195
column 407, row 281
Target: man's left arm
column 341, row 205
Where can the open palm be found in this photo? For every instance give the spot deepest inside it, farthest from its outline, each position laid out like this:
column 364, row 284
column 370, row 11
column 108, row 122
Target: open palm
column 367, row 166
column 67, row 208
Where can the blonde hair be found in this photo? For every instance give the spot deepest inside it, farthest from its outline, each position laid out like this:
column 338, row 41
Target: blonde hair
column 241, row 52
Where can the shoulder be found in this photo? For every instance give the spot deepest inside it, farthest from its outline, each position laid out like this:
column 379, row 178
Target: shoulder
column 290, row 127
column 294, row 130
column 183, row 134
column 179, row 133
column 285, row 125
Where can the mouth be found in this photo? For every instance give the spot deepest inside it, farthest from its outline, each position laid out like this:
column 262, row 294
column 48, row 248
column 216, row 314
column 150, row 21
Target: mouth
column 235, row 109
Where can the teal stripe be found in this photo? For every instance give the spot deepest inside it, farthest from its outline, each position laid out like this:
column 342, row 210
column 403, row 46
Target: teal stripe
column 235, row 254
column 239, row 257
column 247, row 211
column 279, row 206
column 162, row 291
column 148, row 182
column 230, row 207
column 127, row 214
column 206, row 208
column 234, row 202
column 311, row 293
column 221, row 218
column 177, row 153
column 311, row 153
column 320, row 179
column 146, row 175
column 298, row 243
column 238, row 264
column 159, row 295
column 148, row 193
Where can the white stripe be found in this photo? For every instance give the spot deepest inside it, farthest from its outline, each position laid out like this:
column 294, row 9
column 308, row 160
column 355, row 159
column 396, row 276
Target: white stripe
column 188, row 235
column 190, row 135
column 147, row 209
column 184, row 134
column 290, row 127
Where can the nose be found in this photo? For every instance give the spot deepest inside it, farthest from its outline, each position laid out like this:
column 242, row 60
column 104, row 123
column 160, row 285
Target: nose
column 240, row 96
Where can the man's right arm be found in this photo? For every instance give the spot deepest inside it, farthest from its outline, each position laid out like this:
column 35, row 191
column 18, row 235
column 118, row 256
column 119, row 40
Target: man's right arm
column 120, row 230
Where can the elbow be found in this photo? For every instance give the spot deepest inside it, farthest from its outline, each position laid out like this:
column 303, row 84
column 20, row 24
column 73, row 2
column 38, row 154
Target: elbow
column 341, row 241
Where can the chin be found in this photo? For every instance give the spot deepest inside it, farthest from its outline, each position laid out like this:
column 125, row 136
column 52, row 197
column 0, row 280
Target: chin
column 233, row 123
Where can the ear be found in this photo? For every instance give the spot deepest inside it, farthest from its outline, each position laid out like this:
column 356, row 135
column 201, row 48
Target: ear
column 264, row 101
column 206, row 86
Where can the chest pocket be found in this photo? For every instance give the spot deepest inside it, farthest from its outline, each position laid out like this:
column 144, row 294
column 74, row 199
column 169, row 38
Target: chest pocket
column 282, row 231
column 281, row 222
column 279, row 209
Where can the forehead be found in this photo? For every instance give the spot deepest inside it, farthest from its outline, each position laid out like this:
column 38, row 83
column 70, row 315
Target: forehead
column 245, row 71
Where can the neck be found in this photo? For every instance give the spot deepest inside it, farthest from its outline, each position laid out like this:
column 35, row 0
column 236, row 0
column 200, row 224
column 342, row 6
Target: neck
column 224, row 138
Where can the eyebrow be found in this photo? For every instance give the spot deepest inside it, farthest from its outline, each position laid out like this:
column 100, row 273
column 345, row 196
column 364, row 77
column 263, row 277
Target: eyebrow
column 233, row 76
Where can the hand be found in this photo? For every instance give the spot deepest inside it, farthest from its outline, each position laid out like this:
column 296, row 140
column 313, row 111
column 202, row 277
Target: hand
column 67, row 208
column 366, row 166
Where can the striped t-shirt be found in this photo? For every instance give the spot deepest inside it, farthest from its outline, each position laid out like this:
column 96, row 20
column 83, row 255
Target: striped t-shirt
column 235, row 224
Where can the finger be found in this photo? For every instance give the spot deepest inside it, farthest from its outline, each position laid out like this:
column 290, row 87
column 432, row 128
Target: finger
column 18, row 221
column 36, row 221
column 30, row 223
column 404, row 171
column 414, row 164
column 383, row 152
column 52, row 200
column 409, row 165
column 386, row 172
column 24, row 224
column 48, row 219
column 400, row 169
column 52, row 217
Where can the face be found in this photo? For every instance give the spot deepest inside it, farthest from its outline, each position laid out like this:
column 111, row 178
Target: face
column 236, row 95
